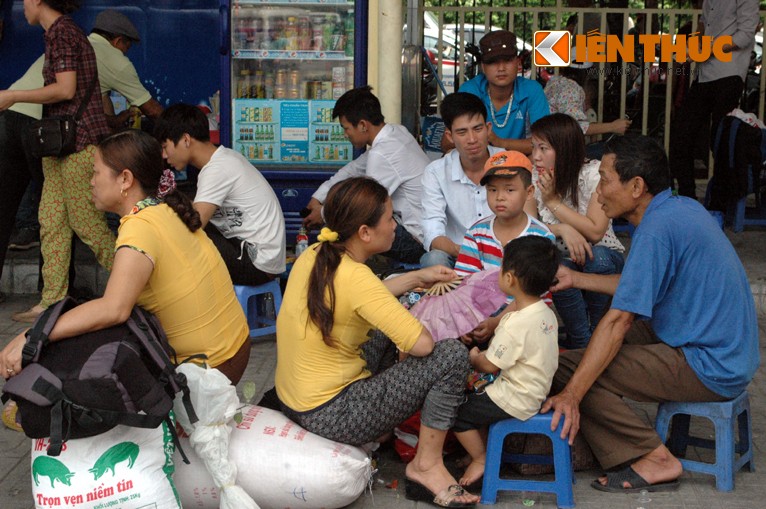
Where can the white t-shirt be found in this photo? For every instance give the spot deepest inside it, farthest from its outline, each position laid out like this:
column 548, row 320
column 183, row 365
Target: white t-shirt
column 526, row 350
column 248, row 209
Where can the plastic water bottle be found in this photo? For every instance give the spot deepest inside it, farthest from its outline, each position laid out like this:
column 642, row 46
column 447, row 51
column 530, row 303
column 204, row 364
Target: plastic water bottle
column 644, row 501
column 301, row 241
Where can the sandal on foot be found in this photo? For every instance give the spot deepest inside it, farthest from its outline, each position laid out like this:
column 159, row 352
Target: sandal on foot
column 445, row 498
column 616, row 480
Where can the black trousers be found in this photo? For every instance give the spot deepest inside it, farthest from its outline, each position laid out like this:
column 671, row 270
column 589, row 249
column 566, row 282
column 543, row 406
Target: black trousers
column 17, row 168
column 234, row 254
column 704, row 107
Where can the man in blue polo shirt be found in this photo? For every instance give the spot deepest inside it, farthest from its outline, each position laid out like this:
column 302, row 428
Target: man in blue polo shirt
column 682, row 324
column 513, row 102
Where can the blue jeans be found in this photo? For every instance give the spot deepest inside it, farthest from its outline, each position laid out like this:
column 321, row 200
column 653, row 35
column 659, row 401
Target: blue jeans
column 581, row 310
column 436, row 257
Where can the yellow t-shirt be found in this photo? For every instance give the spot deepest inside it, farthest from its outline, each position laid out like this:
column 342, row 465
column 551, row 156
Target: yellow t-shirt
column 190, row 290
column 310, row 373
column 525, row 348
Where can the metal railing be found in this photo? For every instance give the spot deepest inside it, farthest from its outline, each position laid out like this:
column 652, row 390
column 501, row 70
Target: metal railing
column 645, row 91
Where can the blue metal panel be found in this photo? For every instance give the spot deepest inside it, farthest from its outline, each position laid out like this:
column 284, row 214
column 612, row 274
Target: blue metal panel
column 294, row 190
column 177, row 58
column 224, row 11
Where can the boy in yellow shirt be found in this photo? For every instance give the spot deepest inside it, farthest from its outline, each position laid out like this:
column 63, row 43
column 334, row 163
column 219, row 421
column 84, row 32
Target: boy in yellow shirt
column 524, row 349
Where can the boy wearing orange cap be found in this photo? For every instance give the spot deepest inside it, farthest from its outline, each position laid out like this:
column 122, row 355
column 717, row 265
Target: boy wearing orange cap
column 508, row 183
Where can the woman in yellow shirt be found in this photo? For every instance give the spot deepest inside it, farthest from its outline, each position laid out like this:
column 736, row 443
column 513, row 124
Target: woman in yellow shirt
column 164, row 262
column 328, row 378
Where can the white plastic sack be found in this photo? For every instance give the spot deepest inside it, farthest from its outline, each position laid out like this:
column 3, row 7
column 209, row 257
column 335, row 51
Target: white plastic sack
column 125, row 468
column 280, row 465
column 215, row 402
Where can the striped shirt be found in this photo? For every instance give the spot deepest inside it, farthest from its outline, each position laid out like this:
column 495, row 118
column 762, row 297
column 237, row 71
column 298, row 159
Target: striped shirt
column 481, row 249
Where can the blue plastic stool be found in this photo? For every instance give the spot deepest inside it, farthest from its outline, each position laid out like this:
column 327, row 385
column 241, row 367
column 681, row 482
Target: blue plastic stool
column 726, row 416
column 260, row 325
column 562, row 461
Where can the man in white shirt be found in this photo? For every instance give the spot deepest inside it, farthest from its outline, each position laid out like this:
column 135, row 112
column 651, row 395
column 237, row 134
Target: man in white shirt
column 718, row 87
column 453, row 197
column 394, row 159
column 245, row 219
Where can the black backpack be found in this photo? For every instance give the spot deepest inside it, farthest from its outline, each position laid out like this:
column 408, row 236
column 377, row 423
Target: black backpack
column 88, row 384
column 738, row 158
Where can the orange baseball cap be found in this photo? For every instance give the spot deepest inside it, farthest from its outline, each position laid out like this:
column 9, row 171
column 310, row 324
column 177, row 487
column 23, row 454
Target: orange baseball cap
column 506, row 164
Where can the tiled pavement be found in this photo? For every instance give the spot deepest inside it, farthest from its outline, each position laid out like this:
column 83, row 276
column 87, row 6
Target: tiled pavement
column 697, row 491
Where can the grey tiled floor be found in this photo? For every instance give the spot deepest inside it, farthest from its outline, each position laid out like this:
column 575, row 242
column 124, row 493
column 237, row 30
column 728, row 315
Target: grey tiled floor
column 697, row 491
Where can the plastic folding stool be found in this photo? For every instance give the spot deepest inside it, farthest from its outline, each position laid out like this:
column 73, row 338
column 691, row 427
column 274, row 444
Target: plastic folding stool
column 726, row 416
column 561, row 460
column 260, row 324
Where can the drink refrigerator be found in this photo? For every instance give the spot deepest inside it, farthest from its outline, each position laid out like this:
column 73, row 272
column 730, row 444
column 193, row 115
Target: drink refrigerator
column 284, row 63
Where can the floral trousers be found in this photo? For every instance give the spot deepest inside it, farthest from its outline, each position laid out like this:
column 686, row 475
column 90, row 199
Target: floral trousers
column 66, row 207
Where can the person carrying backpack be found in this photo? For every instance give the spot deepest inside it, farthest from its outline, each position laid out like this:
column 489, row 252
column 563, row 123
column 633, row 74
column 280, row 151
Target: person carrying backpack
column 163, row 262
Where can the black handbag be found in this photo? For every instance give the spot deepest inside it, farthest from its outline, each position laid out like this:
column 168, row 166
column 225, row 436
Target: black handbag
column 56, row 136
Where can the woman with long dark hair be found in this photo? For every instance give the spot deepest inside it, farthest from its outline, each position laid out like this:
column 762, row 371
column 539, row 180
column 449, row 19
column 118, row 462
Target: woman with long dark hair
column 334, row 327
column 164, row 262
column 566, row 200
column 71, row 79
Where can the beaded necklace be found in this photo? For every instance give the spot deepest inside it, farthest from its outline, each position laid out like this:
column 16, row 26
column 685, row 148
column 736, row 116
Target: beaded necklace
column 492, row 111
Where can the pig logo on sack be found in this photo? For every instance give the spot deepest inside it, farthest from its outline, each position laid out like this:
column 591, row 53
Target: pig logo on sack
column 51, row 468
column 552, row 48
column 114, row 455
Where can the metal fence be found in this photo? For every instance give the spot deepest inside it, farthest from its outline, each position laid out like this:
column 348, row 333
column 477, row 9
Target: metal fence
column 647, row 92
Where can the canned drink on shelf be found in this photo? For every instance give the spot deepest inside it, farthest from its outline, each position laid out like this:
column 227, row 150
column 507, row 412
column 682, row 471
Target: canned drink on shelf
column 281, row 79
column 326, row 89
column 294, row 78
column 339, row 74
column 280, row 92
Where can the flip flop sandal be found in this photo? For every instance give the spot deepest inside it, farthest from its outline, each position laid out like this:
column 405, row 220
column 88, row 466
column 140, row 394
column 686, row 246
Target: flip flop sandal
column 616, row 480
column 445, row 498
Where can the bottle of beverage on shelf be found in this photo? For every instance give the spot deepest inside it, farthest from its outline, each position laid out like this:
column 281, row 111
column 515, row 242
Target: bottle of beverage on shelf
column 328, row 27
column 317, row 32
column 349, row 28
column 279, row 41
column 240, row 29
column 243, row 87
column 293, row 84
column 258, row 33
column 257, row 89
column 338, row 41
column 304, row 33
column 291, row 34
column 268, row 87
column 301, row 241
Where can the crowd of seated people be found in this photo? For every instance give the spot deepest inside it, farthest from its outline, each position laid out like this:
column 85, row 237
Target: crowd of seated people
column 534, row 207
